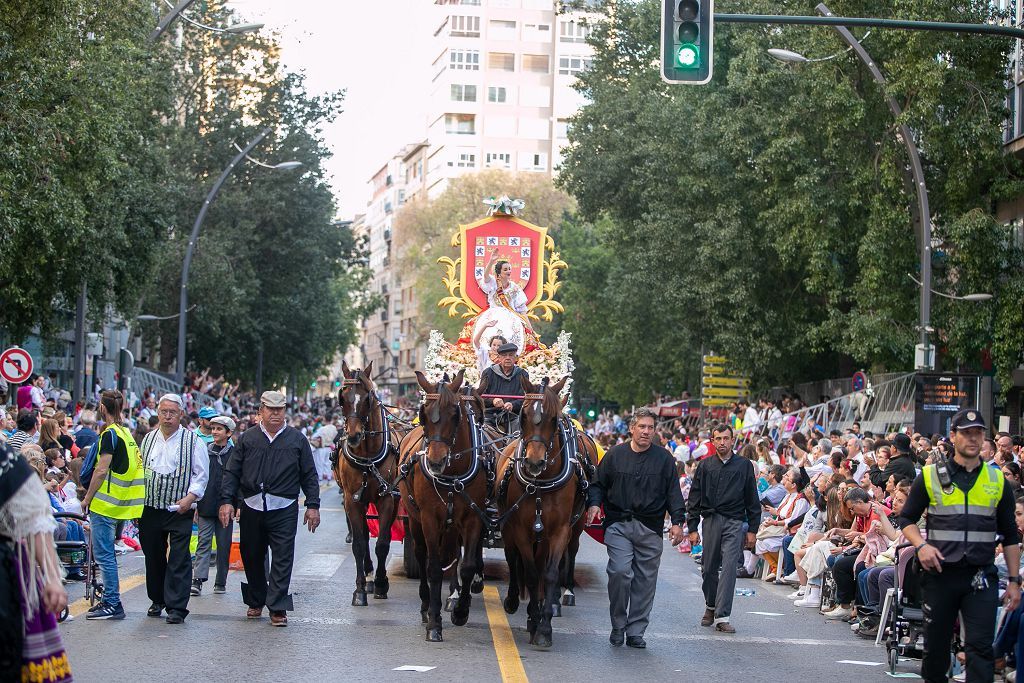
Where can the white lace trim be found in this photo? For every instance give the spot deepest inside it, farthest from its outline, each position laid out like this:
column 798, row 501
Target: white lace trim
column 28, row 512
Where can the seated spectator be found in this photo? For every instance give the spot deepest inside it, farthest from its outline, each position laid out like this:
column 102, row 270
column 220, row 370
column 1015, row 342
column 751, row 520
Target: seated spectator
column 850, row 562
column 812, row 557
column 1010, row 638
column 775, row 527
column 774, row 491
column 880, row 575
column 1011, row 471
column 811, row 529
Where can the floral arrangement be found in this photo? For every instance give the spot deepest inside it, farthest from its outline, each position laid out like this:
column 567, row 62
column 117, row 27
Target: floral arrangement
column 553, row 362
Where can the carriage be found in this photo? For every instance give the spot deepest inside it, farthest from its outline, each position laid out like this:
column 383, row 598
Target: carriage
column 456, row 482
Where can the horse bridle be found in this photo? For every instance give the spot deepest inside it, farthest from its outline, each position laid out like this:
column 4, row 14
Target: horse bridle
column 364, row 420
column 536, row 438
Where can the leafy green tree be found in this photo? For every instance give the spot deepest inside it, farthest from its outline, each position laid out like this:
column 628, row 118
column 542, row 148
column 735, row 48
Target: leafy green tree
column 768, row 216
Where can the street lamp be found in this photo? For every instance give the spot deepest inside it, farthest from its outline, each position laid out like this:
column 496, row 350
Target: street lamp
column 977, row 296
column 177, row 10
column 146, row 317
column 924, row 358
column 179, row 369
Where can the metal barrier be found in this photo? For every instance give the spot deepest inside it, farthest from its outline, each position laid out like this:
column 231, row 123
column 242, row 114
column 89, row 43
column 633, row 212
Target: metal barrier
column 884, row 407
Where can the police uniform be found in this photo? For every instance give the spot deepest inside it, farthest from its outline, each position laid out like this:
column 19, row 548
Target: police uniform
column 965, row 522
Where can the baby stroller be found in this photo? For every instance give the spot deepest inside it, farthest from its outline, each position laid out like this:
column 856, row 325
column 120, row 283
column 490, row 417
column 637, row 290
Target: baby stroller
column 76, row 556
column 902, row 616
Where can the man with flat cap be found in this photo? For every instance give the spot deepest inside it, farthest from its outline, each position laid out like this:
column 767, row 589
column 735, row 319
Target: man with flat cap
column 970, row 511
column 268, row 468
column 503, row 378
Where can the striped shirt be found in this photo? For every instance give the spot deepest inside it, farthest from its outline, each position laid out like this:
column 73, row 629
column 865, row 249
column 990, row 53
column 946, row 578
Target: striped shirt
column 174, row 467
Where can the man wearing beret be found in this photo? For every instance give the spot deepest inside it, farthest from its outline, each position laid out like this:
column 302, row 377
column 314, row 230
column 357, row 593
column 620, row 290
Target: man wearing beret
column 269, row 466
column 503, row 378
column 969, row 508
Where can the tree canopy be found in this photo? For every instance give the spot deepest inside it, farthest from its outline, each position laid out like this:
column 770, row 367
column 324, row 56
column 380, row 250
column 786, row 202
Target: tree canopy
column 767, row 216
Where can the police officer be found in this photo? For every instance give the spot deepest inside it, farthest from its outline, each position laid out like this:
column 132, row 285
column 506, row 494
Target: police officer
column 968, row 510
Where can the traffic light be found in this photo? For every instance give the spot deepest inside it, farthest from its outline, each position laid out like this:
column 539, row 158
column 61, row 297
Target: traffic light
column 312, row 385
column 591, row 413
column 687, row 32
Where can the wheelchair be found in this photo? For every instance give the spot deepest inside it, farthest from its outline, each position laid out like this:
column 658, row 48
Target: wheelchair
column 902, row 617
column 77, row 556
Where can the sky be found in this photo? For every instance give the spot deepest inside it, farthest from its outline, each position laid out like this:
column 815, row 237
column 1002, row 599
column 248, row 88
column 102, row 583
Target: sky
column 378, row 52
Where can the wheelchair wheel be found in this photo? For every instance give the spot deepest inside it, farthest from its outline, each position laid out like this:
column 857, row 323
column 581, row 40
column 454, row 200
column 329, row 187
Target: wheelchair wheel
column 894, row 659
column 63, row 615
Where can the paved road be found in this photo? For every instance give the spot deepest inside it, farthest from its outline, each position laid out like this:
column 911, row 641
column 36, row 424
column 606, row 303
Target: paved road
column 331, row 640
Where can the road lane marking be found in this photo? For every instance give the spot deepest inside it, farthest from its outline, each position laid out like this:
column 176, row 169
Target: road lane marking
column 856, row 661
column 509, row 662
column 81, row 606
column 321, row 565
column 768, row 614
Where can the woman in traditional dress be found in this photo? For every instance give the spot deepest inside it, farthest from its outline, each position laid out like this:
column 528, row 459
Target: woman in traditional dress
column 31, row 592
column 505, row 313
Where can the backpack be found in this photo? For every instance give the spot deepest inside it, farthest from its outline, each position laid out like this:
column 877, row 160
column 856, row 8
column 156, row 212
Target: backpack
column 89, row 462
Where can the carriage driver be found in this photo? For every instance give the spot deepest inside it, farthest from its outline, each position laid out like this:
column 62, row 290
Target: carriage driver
column 503, row 378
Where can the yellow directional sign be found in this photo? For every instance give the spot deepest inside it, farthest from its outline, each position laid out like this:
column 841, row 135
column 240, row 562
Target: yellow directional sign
column 715, row 360
column 725, row 381
column 718, row 402
column 714, row 370
column 722, row 392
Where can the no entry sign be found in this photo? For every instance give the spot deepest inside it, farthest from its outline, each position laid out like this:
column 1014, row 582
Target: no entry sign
column 15, row 365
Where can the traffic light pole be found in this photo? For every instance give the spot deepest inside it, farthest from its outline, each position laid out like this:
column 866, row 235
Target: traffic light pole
column 902, row 24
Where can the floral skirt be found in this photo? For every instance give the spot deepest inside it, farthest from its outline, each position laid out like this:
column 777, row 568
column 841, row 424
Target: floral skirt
column 43, row 657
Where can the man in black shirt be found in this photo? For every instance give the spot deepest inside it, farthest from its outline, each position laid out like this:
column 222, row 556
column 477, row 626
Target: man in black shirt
column 637, row 483
column 724, row 495
column 966, row 516
column 504, row 378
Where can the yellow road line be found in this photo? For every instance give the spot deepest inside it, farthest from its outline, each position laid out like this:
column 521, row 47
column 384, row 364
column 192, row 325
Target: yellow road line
column 81, row 606
column 509, row 662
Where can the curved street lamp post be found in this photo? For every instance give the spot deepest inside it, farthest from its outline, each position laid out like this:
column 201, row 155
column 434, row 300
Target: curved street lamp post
column 243, row 153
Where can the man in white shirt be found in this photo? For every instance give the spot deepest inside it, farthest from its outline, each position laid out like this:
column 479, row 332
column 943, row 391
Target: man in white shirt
column 176, row 464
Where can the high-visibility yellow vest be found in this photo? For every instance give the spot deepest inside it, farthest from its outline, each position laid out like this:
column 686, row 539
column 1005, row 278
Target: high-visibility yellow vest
column 963, row 524
column 120, row 496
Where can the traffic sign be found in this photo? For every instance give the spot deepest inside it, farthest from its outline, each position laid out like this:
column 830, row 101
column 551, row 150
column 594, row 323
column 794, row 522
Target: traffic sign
column 715, row 370
column 714, row 360
column 724, row 392
column 718, row 402
column 860, row 380
column 15, row 365
column 726, row 381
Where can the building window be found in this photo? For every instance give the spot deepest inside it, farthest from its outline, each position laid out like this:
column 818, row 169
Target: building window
column 501, row 61
column 498, row 160
column 534, row 161
column 497, row 94
column 463, row 93
column 537, row 32
column 466, row 160
column 460, row 124
column 573, row 32
column 468, row 60
column 570, row 66
column 538, row 64
column 500, row 29
column 465, row 26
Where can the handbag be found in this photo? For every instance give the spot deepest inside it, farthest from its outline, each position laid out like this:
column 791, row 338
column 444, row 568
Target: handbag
column 771, row 532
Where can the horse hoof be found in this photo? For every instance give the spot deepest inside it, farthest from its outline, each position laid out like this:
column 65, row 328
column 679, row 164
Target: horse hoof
column 511, row 604
column 423, row 616
column 434, row 635
column 569, row 600
column 556, row 610
column 380, row 595
column 359, row 599
column 449, row 604
column 478, row 584
column 460, row 616
column 542, row 640
column 369, row 586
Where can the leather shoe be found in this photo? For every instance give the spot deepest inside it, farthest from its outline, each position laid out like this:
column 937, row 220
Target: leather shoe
column 708, row 618
column 279, row 618
column 254, row 613
column 617, row 636
column 155, row 610
column 725, row 627
column 637, row 642
column 175, row 619
column 743, row 574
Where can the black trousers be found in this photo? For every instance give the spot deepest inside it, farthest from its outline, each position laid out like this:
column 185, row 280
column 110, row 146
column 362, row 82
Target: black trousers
column 168, row 574
column 946, row 594
column 258, row 531
column 844, row 572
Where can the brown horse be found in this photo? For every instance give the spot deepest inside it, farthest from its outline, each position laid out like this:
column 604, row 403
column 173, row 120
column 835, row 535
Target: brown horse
column 541, row 499
column 366, row 466
column 444, row 486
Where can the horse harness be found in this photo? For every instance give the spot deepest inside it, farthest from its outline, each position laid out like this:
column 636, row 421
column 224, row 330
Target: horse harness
column 573, row 463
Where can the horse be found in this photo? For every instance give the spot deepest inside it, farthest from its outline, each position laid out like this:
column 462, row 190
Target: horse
column 541, row 500
column 444, row 486
column 366, row 466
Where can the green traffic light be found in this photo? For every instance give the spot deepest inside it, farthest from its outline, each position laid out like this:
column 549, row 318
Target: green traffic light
column 688, row 56
column 591, row 413
column 312, row 385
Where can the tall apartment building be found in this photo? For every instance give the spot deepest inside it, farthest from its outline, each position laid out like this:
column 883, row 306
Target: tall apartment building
column 502, row 90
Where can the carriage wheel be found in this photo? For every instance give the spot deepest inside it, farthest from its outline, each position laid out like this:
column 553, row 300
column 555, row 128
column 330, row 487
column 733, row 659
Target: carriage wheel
column 412, row 567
